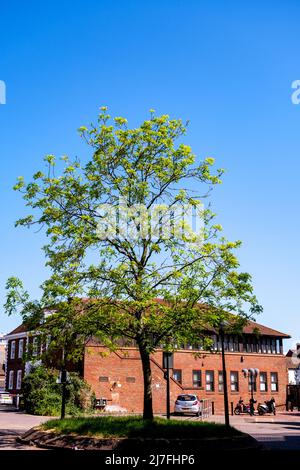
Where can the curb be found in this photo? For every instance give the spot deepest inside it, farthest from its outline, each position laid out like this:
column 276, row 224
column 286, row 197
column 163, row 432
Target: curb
column 53, row 441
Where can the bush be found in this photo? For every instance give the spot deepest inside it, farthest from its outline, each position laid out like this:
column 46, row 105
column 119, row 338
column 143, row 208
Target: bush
column 42, row 394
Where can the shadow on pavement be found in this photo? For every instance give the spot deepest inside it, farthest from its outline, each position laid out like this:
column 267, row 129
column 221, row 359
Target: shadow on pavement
column 8, row 439
column 279, row 443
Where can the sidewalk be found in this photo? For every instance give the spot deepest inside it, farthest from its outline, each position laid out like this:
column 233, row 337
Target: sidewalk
column 280, row 432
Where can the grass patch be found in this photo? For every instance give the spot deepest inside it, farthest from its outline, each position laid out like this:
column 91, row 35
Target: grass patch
column 129, row 426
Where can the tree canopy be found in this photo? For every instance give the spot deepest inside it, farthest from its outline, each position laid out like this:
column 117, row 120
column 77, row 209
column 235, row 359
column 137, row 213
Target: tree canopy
column 120, row 231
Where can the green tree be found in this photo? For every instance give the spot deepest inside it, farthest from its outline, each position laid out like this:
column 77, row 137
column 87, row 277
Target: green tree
column 118, row 236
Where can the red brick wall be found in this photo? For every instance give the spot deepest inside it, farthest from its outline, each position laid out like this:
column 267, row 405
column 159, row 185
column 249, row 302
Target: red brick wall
column 124, row 363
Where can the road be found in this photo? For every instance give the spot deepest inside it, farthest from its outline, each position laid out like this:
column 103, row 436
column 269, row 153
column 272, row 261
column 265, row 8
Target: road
column 280, row 432
column 12, row 425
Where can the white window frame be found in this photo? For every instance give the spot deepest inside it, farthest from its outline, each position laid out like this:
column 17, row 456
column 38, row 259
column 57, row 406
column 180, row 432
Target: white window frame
column 10, row 380
column 177, row 375
column 21, row 348
column 19, row 379
column 263, row 384
column 13, row 349
column 197, row 383
column 35, row 346
column 210, row 380
column 234, row 381
column 274, row 384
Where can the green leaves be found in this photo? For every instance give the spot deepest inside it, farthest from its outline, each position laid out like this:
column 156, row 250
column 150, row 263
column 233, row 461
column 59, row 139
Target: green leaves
column 16, row 295
column 142, row 169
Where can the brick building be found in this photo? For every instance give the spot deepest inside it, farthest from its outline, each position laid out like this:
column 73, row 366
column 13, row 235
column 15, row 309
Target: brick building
column 117, row 376
column 15, row 366
column 2, row 361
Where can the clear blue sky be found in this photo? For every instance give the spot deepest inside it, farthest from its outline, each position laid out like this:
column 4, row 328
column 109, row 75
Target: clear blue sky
column 225, row 66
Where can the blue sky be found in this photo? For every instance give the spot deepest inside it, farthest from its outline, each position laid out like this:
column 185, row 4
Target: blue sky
column 225, row 66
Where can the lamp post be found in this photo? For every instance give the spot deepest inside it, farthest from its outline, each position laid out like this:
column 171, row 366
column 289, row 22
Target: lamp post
column 167, row 364
column 224, row 372
column 252, row 374
column 63, row 380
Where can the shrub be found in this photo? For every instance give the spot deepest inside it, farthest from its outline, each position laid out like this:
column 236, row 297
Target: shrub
column 42, row 394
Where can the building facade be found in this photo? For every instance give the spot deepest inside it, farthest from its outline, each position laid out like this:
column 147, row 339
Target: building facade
column 117, row 376
column 15, row 366
column 293, row 365
column 2, row 361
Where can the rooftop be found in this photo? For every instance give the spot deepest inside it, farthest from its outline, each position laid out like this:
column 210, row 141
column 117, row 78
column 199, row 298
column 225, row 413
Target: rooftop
column 250, row 328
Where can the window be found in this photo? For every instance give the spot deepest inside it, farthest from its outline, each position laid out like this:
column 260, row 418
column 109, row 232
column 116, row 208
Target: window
column 19, row 380
column 274, row 382
column 263, row 383
column 220, row 381
column 233, row 343
column 209, row 379
column 177, row 375
column 187, row 397
column 234, row 381
column 11, row 380
column 35, row 346
column 255, row 345
column 12, row 349
column 197, row 382
column 215, row 344
column 21, row 348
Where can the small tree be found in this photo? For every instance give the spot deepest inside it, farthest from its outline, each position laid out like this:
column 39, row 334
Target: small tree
column 118, row 235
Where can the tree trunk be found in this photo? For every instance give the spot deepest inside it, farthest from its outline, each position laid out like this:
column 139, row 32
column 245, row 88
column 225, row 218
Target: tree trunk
column 145, row 358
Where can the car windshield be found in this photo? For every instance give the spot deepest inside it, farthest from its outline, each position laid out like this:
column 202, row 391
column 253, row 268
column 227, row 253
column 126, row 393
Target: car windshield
column 186, row 398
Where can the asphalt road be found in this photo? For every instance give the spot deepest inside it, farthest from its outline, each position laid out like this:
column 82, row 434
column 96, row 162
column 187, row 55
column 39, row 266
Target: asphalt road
column 12, row 425
column 280, row 432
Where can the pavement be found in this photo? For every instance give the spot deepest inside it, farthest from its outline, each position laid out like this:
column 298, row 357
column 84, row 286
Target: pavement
column 13, row 424
column 280, row 432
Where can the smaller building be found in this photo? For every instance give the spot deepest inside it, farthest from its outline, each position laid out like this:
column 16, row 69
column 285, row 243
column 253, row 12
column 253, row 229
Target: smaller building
column 293, row 365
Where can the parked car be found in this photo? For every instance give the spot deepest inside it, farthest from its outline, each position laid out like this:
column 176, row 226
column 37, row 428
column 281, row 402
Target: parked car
column 188, row 404
column 6, row 398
